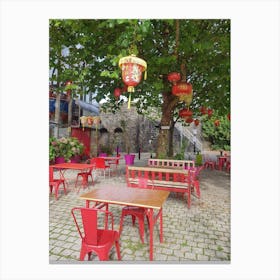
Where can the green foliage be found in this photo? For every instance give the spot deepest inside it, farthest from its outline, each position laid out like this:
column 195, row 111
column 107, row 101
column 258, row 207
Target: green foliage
column 181, row 154
column 198, row 160
column 64, row 147
column 106, row 149
column 218, row 136
column 94, row 48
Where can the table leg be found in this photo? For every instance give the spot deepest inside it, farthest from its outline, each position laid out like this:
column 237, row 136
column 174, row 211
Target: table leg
column 150, row 213
column 161, row 226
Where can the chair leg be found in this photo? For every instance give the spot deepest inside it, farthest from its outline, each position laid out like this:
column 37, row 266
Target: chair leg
column 141, row 229
column 64, row 188
column 117, row 244
column 83, row 253
column 103, row 255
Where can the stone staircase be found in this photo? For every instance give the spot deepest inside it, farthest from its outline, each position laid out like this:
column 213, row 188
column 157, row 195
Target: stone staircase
column 192, row 133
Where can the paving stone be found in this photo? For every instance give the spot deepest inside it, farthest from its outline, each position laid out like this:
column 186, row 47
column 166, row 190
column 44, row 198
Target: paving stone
column 201, row 233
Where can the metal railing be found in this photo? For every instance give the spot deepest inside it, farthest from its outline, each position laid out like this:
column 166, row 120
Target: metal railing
column 185, row 131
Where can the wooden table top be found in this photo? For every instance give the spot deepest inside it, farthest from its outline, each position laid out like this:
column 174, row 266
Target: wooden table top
column 72, row 165
column 146, row 198
column 163, row 169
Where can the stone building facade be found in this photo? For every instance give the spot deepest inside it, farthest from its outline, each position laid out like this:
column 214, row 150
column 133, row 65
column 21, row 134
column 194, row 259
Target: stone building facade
column 127, row 131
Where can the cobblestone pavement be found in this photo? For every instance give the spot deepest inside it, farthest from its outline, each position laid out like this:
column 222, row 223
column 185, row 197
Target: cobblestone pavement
column 200, row 234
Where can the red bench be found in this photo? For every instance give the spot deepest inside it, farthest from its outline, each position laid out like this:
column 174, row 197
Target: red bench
column 171, row 163
column 173, row 180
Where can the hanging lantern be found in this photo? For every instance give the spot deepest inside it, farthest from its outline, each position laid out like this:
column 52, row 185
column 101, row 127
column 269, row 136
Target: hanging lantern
column 196, row 122
column 182, row 88
column 187, row 98
column 89, row 121
column 185, row 113
column 117, row 93
column 174, row 77
column 132, row 68
column 96, row 120
column 83, row 121
column 203, row 110
column 189, row 120
column 210, row 112
column 216, row 123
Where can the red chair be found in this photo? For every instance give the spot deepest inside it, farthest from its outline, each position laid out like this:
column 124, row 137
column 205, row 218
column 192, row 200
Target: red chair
column 135, row 212
column 85, row 175
column 94, row 239
column 100, row 165
column 209, row 163
column 55, row 183
column 115, row 162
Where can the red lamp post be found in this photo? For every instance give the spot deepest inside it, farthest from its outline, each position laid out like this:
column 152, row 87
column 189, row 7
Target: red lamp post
column 132, row 68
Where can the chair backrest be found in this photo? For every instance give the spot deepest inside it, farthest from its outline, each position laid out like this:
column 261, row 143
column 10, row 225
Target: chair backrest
column 88, row 231
column 99, row 162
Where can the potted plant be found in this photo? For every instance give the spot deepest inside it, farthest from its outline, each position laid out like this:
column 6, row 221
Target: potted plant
column 129, row 158
column 65, row 149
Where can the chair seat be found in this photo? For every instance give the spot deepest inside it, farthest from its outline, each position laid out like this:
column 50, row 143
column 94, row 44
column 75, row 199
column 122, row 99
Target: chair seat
column 106, row 237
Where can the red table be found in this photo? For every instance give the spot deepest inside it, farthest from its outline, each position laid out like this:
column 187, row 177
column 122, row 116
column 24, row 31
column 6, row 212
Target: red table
column 149, row 199
column 221, row 161
column 74, row 166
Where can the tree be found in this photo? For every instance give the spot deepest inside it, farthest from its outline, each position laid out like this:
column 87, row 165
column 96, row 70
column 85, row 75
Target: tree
column 94, row 48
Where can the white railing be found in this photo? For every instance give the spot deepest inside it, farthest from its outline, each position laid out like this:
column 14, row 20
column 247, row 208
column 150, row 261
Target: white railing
column 184, row 131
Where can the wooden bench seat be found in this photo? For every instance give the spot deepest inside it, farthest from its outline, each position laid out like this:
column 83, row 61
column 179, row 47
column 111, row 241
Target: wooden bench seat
column 170, row 179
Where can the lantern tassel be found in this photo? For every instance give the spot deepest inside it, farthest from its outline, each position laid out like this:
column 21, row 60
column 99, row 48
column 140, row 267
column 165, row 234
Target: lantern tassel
column 145, row 75
column 129, row 100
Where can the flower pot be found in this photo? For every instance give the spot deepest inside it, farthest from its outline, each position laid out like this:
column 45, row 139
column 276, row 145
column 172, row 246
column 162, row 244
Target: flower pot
column 75, row 159
column 129, row 159
column 102, row 155
column 59, row 160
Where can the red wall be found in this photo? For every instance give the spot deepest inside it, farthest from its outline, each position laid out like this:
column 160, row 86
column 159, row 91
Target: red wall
column 83, row 136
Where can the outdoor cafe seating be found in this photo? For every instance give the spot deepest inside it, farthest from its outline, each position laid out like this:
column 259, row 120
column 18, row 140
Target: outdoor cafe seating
column 55, row 183
column 135, row 212
column 95, row 239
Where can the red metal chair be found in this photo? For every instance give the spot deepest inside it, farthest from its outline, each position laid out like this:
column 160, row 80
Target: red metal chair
column 100, row 165
column 55, row 183
column 115, row 162
column 85, row 175
column 135, row 212
column 94, row 239
column 209, row 163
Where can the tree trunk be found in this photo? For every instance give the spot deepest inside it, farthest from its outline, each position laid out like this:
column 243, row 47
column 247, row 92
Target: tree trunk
column 57, row 115
column 70, row 101
column 169, row 103
column 171, row 133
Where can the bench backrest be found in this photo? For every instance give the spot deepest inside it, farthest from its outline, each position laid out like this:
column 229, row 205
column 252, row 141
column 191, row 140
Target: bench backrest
column 171, row 163
column 154, row 175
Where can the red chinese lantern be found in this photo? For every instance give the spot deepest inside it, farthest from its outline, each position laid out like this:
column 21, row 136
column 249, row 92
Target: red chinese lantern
column 182, row 88
column 203, row 110
column 196, row 122
column 174, row 77
column 189, row 120
column 132, row 68
column 216, row 122
column 184, row 91
column 117, row 92
column 210, row 112
column 185, row 113
column 89, row 121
